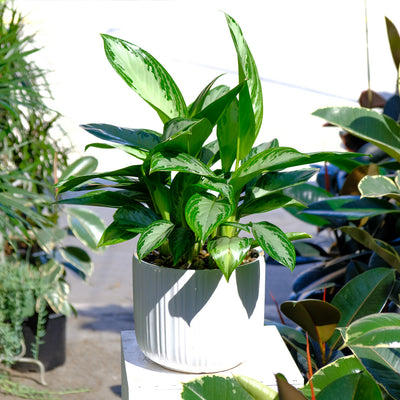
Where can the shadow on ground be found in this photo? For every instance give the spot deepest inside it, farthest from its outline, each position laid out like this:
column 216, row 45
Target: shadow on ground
column 110, row 318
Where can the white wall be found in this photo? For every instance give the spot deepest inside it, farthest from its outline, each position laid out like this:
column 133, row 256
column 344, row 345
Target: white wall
column 309, row 54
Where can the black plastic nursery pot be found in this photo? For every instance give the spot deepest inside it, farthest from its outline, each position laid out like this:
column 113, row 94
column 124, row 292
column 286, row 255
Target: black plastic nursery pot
column 52, row 352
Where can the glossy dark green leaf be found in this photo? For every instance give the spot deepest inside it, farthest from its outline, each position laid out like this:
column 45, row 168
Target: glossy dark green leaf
column 275, row 243
column 316, row 317
column 181, row 241
column 365, row 294
column 350, row 208
column 141, row 138
column 214, row 387
column 352, row 387
column 256, row 389
column 104, row 198
column 205, row 212
column 228, row 252
column 308, row 193
column 86, row 225
column 154, row 235
column 366, row 124
column 82, row 166
column 383, row 249
column 180, row 162
column 394, row 41
column 116, row 233
column 146, row 76
column 135, row 215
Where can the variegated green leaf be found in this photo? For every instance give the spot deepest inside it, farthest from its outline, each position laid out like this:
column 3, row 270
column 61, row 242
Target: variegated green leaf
column 198, row 104
column 275, row 243
column 378, row 186
column 331, row 372
column 86, row 225
column 269, row 160
column 375, row 330
column 247, row 71
column 132, row 151
column 155, row 234
column 146, row 76
column 140, row 138
column 205, row 212
column 183, row 135
column 78, row 258
column 374, row 339
column 181, row 162
column 228, row 253
column 82, row 166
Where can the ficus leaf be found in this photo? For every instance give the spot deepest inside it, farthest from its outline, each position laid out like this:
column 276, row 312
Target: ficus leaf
column 366, row 124
column 316, row 317
column 365, row 294
column 383, row 249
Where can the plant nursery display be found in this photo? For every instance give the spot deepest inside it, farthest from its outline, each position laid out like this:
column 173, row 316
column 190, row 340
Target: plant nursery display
column 198, row 274
column 31, row 233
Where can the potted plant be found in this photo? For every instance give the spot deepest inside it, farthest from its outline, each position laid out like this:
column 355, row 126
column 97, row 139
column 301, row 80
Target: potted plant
column 185, row 196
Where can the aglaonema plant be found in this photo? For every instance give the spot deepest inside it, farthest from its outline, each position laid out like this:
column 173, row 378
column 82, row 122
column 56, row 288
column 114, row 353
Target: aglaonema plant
column 186, row 191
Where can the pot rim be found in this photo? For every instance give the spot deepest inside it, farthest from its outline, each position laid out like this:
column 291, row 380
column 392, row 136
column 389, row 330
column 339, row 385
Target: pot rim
column 159, row 267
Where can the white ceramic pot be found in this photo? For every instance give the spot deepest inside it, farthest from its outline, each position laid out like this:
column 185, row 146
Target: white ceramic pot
column 195, row 321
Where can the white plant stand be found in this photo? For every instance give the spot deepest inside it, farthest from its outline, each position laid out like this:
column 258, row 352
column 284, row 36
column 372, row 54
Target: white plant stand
column 142, row 379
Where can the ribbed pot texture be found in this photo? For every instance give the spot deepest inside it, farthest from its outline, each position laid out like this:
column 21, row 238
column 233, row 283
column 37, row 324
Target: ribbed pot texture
column 195, row 321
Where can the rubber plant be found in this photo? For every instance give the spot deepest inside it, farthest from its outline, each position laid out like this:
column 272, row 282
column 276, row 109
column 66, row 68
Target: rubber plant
column 348, row 348
column 363, row 211
column 176, row 196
